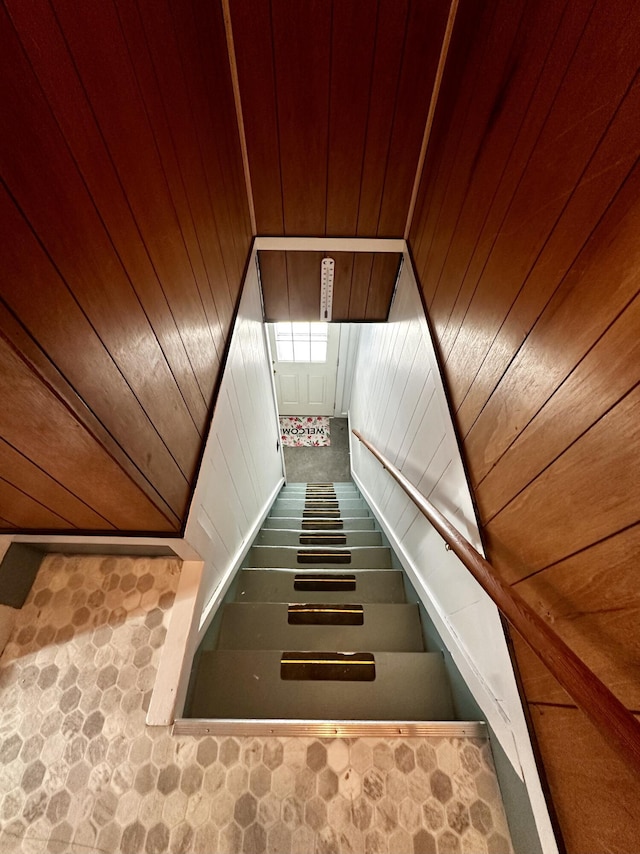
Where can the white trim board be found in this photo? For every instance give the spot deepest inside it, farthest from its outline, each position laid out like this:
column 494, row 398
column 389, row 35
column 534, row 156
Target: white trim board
column 331, row 244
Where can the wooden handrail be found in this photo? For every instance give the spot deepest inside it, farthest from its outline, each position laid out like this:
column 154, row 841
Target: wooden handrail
column 615, row 722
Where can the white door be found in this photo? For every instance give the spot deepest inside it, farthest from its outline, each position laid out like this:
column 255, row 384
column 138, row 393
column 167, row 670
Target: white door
column 305, row 364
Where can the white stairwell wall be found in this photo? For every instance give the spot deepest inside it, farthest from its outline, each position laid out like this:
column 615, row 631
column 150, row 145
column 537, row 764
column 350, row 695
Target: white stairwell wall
column 240, row 475
column 398, row 403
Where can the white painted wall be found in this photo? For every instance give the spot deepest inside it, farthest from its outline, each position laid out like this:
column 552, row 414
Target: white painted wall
column 242, row 465
column 347, row 354
column 398, row 404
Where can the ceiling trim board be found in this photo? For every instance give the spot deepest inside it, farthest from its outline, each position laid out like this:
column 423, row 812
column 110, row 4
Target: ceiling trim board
column 331, row 244
column 226, row 12
column 430, row 115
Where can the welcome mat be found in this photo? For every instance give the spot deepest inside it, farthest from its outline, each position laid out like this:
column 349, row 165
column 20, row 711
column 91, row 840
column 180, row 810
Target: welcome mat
column 304, row 431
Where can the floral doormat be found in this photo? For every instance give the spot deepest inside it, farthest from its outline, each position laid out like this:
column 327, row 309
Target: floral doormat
column 304, row 431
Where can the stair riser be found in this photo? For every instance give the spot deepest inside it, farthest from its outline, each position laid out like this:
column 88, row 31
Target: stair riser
column 349, row 523
column 248, row 684
column 283, row 537
column 299, row 512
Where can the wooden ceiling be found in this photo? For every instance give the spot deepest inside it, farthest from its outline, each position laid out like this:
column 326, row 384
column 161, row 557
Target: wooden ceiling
column 127, row 220
column 335, row 97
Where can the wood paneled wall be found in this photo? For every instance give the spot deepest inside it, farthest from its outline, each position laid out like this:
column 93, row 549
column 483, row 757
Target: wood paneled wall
column 335, row 96
column 362, row 289
column 525, row 240
column 125, row 232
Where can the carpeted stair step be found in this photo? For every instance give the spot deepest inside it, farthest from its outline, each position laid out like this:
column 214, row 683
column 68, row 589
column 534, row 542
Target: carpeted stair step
column 280, row 585
column 248, row 684
column 344, row 523
column 358, row 557
column 298, row 537
column 259, row 625
column 297, row 510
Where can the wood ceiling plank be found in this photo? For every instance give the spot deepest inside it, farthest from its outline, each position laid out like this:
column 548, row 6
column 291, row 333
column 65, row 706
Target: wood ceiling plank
column 352, row 51
column 275, row 285
column 423, row 43
column 251, row 22
column 43, row 429
column 360, row 283
column 390, row 33
column 383, row 279
column 303, row 272
column 33, row 481
column 344, row 262
column 302, row 50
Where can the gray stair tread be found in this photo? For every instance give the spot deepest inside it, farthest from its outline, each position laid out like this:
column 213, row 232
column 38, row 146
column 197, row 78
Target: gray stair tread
column 291, row 537
column 257, row 625
column 361, row 557
column 247, row 684
column 276, row 585
column 360, row 523
column 297, row 511
column 302, row 501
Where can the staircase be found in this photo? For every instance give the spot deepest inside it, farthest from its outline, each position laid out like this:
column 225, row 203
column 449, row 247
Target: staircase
column 318, row 626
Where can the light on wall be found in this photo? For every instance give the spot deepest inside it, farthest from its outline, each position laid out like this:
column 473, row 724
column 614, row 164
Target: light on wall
column 327, row 269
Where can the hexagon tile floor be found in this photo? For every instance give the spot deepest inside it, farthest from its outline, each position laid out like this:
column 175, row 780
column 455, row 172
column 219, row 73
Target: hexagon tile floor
column 80, row 771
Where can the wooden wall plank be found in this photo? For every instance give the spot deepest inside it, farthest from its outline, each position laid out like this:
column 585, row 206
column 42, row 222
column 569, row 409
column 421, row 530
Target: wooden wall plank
column 156, row 60
column 612, row 162
column 596, row 384
column 579, row 313
column 525, row 238
column 390, row 36
column 592, row 600
column 476, row 101
column 423, row 42
column 352, row 49
column 602, row 793
column 589, row 493
column 301, row 43
column 55, row 320
column 34, row 481
column 128, row 208
column 251, row 22
column 25, row 511
column 222, row 134
column 41, row 428
column 588, row 99
column 64, row 92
